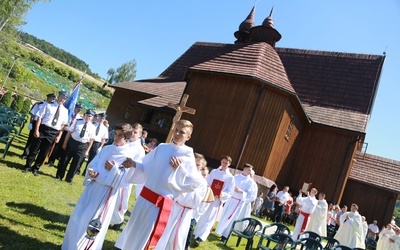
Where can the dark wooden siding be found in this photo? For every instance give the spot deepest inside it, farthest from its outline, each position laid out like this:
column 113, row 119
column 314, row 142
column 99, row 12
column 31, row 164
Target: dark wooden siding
column 224, row 109
column 119, row 104
column 323, row 158
column 374, row 203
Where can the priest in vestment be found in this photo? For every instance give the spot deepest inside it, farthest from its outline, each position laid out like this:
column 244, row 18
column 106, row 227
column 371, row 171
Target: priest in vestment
column 308, row 205
column 350, row 232
column 318, row 219
column 384, row 236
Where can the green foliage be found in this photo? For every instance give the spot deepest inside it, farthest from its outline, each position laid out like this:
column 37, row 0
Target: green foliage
column 57, row 53
column 17, row 103
column 37, row 59
column 26, row 107
column 7, row 99
column 125, row 73
column 62, row 71
column 19, row 73
column 12, row 12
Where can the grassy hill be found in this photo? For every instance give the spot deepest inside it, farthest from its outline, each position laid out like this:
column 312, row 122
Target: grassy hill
column 36, row 74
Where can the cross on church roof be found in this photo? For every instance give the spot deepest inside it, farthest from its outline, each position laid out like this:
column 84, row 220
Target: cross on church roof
column 180, row 109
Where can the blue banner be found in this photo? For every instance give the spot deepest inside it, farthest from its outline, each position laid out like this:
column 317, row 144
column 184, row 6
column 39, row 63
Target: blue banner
column 70, row 103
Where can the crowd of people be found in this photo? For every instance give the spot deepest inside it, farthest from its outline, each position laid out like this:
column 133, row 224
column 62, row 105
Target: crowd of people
column 314, row 214
column 178, row 200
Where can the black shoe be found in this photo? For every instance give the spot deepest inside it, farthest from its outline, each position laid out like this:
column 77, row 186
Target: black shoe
column 69, row 182
column 223, row 239
column 23, row 157
column 35, row 172
column 57, row 179
column 197, row 242
column 27, row 170
column 117, row 227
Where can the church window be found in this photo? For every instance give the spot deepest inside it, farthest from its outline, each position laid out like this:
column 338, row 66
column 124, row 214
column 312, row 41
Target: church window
column 289, row 129
column 128, row 110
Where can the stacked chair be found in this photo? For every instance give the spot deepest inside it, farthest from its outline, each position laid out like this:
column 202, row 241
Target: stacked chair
column 253, row 226
column 280, row 235
column 11, row 125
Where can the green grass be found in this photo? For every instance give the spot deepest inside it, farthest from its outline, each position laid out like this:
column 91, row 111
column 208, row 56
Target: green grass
column 34, row 211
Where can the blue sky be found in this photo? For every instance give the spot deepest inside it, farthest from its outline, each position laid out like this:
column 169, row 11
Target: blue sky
column 107, row 34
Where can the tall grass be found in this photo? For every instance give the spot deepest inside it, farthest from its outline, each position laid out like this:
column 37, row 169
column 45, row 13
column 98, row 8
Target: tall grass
column 34, row 211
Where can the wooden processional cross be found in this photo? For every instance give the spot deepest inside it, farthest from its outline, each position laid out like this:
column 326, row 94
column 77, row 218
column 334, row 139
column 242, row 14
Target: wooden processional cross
column 180, row 108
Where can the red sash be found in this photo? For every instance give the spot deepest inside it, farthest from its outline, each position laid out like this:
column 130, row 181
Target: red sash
column 305, row 221
column 164, row 204
column 238, row 202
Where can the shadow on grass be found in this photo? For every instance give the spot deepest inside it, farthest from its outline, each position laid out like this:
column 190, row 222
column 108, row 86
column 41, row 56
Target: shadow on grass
column 12, row 240
column 39, row 212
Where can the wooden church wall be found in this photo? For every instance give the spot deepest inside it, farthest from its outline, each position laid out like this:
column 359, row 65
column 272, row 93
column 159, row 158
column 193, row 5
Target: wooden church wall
column 124, row 107
column 289, row 132
column 224, row 121
column 374, row 203
column 224, row 108
column 322, row 158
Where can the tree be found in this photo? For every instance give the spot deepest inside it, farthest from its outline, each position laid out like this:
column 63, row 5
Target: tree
column 111, row 75
column 12, row 12
column 26, row 107
column 17, row 103
column 125, row 73
column 7, row 98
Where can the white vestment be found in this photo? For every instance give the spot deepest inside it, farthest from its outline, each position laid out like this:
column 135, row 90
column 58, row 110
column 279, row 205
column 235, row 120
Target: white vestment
column 394, row 242
column 233, row 207
column 125, row 191
column 383, row 241
column 308, row 205
column 246, row 210
column 207, row 220
column 159, row 177
column 350, row 231
column 365, row 230
column 175, row 233
column 318, row 219
column 97, row 199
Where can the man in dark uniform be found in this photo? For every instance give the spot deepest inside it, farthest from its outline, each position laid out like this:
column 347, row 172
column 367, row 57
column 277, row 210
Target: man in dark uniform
column 100, row 138
column 52, row 118
column 50, row 99
column 77, row 143
column 57, row 147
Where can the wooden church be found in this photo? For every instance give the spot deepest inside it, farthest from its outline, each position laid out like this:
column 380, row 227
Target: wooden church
column 296, row 115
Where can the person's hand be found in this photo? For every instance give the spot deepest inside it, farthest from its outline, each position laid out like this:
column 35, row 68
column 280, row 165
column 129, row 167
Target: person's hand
column 92, row 173
column 57, row 139
column 109, row 165
column 238, row 190
column 175, row 162
column 128, row 163
column 36, row 134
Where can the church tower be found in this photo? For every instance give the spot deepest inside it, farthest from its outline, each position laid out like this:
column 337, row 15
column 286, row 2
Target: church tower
column 247, row 33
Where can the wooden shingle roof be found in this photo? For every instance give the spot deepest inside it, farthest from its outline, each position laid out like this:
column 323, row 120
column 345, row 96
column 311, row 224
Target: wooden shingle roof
column 376, row 171
column 335, row 89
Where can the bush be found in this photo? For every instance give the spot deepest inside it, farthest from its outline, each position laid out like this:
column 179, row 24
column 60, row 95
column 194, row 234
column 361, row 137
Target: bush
column 19, row 73
column 7, row 99
column 17, row 103
column 26, row 107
